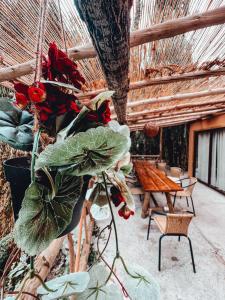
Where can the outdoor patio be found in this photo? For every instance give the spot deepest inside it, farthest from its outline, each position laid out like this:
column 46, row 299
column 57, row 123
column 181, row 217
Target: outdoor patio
column 177, row 280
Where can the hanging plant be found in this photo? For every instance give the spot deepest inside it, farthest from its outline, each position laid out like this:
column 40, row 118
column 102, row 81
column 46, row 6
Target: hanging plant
column 45, row 213
column 87, row 153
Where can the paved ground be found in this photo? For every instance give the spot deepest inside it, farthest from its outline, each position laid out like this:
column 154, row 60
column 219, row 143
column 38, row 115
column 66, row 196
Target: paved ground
column 177, row 280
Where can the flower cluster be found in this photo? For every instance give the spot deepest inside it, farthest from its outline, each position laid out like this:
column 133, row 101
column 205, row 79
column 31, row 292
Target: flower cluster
column 47, row 99
column 58, row 67
column 117, row 199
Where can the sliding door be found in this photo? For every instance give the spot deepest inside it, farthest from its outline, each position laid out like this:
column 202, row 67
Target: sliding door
column 218, row 160
column 210, row 158
column 202, row 160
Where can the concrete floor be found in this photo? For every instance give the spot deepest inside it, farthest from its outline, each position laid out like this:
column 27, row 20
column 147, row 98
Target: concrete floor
column 177, row 280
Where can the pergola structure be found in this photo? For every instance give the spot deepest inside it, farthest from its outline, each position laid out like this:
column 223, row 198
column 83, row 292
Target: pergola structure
column 166, row 63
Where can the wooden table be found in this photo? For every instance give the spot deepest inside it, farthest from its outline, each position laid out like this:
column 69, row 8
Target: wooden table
column 153, row 180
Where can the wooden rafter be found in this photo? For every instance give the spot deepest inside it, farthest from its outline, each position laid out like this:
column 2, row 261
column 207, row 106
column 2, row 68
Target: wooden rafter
column 155, row 32
column 178, row 112
column 176, row 97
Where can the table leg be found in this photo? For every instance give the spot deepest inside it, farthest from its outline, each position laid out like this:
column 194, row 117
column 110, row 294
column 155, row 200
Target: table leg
column 169, row 203
column 145, row 206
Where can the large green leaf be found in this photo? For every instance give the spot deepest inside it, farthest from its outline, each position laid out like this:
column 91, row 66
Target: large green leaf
column 16, row 129
column 86, row 153
column 44, row 216
column 97, row 290
column 65, row 286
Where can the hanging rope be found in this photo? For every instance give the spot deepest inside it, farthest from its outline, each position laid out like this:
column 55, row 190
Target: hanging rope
column 62, row 26
column 40, row 39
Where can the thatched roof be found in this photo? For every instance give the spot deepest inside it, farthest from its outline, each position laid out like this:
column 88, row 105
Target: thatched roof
column 195, row 51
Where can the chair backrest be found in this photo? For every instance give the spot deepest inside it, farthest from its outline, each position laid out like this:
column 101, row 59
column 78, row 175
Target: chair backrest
column 191, row 185
column 175, row 172
column 178, row 223
column 162, row 166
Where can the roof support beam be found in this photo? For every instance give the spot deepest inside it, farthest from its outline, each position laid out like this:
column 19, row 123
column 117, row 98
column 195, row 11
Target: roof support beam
column 156, row 32
column 162, row 80
column 177, row 97
column 180, row 115
column 206, row 107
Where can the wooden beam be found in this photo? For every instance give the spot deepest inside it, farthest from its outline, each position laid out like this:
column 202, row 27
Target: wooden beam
column 169, row 117
column 161, row 80
column 156, row 32
column 177, row 97
column 174, row 113
column 142, row 113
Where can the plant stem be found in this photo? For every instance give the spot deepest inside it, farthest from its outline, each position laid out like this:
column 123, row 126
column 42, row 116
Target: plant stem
column 34, row 150
column 113, row 219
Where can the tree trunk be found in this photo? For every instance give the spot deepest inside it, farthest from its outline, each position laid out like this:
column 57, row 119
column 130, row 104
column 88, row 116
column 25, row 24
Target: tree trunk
column 108, row 23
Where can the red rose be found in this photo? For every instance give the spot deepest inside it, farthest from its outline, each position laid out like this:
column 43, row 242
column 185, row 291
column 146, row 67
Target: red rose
column 21, row 101
column 125, row 212
column 36, row 94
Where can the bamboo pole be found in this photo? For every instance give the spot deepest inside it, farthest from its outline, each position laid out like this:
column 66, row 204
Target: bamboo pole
column 151, row 116
column 43, row 265
column 177, row 97
column 71, row 253
column 174, row 107
column 79, row 238
column 161, row 80
column 139, row 37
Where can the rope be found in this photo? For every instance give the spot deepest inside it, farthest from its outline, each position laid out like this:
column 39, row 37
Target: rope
column 40, row 39
column 62, row 26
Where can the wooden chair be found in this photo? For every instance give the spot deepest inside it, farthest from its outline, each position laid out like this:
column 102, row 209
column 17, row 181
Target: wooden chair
column 187, row 192
column 175, row 172
column 162, row 166
column 173, row 225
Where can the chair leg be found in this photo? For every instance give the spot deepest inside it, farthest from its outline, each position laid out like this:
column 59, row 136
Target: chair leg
column 174, row 200
column 149, row 225
column 179, row 238
column 192, row 256
column 187, row 202
column 193, row 206
column 160, row 240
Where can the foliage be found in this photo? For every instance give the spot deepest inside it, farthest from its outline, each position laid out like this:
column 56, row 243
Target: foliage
column 16, row 129
column 65, row 286
column 5, row 247
column 45, row 213
column 88, row 152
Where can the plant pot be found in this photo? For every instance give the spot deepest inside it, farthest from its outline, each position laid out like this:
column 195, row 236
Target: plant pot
column 17, row 173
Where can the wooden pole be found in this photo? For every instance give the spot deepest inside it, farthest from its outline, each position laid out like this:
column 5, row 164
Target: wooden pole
column 142, row 113
column 177, row 97
column 43, row 265
column 71, row 253
column 162, row 80
column 155, row 32
column 161, row 144
column 151, row 116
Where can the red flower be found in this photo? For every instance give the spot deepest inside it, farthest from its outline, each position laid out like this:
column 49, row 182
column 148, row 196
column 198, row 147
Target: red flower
column 59, row 67
column 125, row 212
column 21, row 101
column 37, row 94
column 116, row 196
column 102, row 115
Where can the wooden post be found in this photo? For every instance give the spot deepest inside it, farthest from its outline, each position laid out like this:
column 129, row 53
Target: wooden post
column 43, row 264
column 161, row 144
column 71, row 253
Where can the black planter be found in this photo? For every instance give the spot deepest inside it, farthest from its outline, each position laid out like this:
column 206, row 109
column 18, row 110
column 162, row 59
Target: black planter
column 17, row 173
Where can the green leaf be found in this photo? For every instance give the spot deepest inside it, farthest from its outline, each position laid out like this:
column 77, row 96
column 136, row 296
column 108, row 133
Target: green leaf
column 65, row 286
column 42, row 217
column 61, row 84
column 97, row 290
column 73, row 126
column 144, row 286
column 97, row 101
column 16, row 129
column 86, row 153
column 127, row 169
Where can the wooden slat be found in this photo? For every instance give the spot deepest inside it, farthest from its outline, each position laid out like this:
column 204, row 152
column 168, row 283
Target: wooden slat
column 152, row 179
